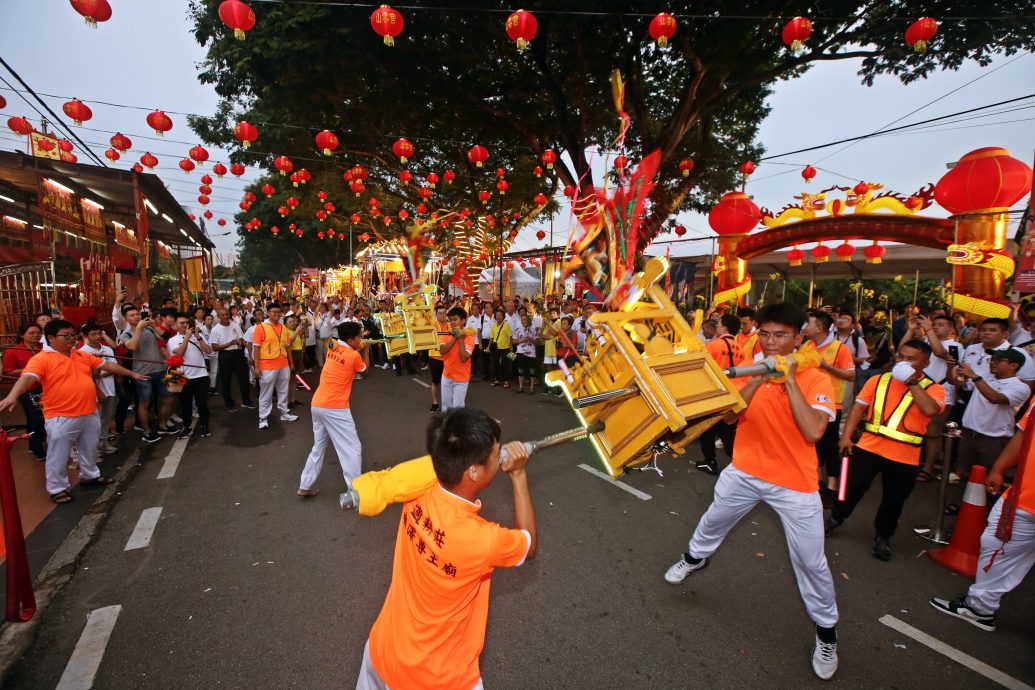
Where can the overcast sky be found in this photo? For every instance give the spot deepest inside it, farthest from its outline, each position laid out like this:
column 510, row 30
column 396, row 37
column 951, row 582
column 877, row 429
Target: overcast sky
column 145, row 56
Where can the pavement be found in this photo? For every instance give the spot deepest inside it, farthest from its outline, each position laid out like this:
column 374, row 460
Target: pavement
column 244, row 585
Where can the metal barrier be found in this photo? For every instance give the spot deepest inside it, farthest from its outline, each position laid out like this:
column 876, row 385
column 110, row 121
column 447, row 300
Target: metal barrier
column 936, row 534
column 21, row 600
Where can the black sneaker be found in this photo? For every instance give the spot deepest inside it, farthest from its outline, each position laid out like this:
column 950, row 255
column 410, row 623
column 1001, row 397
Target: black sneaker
column 881, row 549
column 186, row 432
column 434, row 408
column 152, row 437
column 204, row 432
column 249, row 405
column 137, row 427
column 168, row 429
column 232, row 408
column 960, row 609
column 708, row 467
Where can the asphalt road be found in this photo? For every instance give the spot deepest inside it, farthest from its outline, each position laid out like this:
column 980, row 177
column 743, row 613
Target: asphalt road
column 244, row 585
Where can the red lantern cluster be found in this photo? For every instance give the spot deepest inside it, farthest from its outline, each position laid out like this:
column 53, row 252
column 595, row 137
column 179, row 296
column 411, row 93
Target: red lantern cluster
column 78, row 111
column 521, row 27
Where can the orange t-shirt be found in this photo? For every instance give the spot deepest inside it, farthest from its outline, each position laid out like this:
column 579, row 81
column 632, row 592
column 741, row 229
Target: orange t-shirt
column 259, row 336
column 915, row 422
column 431, row 629
column 1026, row 501
column 725, row 350
column 339, row 371
column 454, row 369
column 441, row 327
column 842, row 359
column 769, row 445
column 749, row 357
column 68, row 386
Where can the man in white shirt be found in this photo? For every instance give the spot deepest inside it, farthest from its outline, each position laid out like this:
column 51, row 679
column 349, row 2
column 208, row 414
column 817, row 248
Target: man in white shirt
column 228, row 342
column 485, row 321
column 93, row 343
column 323, row 326
column 993, row 337
column 195, row 393
column 940, row 333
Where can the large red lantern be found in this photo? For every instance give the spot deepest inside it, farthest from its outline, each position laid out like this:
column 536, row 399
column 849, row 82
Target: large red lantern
column 521, row 27
column 78, row 111
column 795, row 256
column 845, row 251
column 283, row 164
column 920, row 33
column 120, row 142
column 987, row 179
column 821, row 253
column 20, row 126
column 159, row 122
column 236, row 169
column 874, row 253
column 796, row 32
column 387, row 23
column 238, row 16
column 403, row 150
column 735, row 214
column 246, row 132
column 686, row 166
column 186, row 165
column 549, row 158
column 110, row 154
column 327, row 141
column 661, row 28
column 198, row 154
column 478, row 155
column 807, row 173
column 149, row 161
column 93, row 11
column 219, row 169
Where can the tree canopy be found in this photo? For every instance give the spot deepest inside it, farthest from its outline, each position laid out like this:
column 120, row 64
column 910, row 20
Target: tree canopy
column 454, row 79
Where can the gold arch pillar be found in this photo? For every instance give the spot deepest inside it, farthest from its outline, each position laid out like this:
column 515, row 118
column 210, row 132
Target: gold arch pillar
column 730, row 271
column 986, row 230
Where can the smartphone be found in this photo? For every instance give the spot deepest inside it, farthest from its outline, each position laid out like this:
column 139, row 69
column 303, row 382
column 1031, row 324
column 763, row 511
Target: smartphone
column 954, row 352
column 144, row 315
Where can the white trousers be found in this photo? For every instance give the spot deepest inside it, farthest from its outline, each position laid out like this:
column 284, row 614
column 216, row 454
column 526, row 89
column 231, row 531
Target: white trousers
column 213, row 373
column 453, row 393
column 1010, row 565
column 801, row 514
column 335, row 425
column 62, row 433
column 270, row 380
column 369, row 679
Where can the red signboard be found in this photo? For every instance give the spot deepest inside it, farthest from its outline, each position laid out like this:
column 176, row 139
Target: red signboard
column 1024, row 278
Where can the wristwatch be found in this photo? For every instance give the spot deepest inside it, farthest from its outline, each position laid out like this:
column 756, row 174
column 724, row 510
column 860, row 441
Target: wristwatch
column 978, row 378
column 912, row 382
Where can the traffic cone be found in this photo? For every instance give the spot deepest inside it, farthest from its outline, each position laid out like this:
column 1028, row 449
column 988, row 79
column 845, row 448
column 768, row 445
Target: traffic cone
column 961, row 555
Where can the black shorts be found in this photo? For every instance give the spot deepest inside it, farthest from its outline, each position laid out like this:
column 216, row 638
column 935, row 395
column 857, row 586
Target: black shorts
column 436, row 366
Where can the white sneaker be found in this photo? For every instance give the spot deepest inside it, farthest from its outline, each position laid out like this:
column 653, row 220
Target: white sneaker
column 287, row 417
column 824, row 659
column 264, row 424
column 681, row 570
column 176, row 419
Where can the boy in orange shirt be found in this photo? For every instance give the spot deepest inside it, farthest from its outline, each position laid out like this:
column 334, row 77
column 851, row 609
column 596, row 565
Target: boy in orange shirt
column 431, row 629
column 774, row 461
column 435, row 358
column 456, row 350
column 840, row 368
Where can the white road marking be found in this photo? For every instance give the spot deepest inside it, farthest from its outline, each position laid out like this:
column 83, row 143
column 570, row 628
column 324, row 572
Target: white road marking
column 621, row 485
column 172, row 460
column 86, row 657
column 976, row 665
column 141, row 536
column 416, row 380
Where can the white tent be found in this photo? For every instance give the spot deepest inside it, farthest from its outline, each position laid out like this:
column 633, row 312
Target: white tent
column 519, row 283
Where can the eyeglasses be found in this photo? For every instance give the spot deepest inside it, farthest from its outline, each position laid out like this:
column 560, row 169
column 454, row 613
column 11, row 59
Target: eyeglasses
column 66, row 336
column 778, row 336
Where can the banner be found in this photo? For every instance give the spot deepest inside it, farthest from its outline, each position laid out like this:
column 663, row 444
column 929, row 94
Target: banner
column 126, row 238
column 60, row 206
column 93, row 226
column 44, row 146
column 192, row 271
column 14, row 229
column 1024, row 279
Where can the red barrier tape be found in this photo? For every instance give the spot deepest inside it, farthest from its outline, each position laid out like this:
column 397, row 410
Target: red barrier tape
column 21, row 600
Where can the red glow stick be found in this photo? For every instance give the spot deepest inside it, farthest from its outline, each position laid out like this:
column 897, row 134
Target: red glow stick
column 843, row 485
column 302, row 382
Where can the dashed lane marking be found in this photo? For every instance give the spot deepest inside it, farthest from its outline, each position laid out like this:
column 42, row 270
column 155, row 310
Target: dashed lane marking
column 614, row 482
column 89, row 650
column 416, row 380
column 141, row 536
column 976, row 665
column 172, row 460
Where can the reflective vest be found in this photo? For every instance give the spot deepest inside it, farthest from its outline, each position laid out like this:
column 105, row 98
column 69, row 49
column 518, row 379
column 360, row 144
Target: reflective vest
column 273, row 346
column 893, row 427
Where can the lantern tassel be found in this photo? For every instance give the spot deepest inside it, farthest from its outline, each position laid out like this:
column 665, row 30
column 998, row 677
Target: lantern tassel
column 91, row 22
column 246, row 143
column 920, row 46
column 662, row 42
column 239, row 34
column 326, row 152
column 522, row 44
column 402, row 159
column 686, row 173
column 796, row 46
column 389, row 41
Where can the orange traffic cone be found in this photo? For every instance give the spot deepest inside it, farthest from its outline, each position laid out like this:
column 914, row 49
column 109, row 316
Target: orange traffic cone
column 961, row 555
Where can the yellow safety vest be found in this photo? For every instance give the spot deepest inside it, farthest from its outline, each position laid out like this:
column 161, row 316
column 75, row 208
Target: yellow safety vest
column 890, row 429
column 273, row 346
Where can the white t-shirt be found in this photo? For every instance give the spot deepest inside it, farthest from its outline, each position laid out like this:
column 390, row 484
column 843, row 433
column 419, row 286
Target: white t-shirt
column 993, row 419
column 193, row 357
column 105, row 381
column 977, row 358
column 856, row 345
column 324, row 324
column 938, row 368
column 226, row 334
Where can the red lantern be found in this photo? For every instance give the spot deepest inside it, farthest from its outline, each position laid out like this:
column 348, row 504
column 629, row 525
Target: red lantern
column 238, row 16
column 199, row 154
column 986, row 179
column 206, row 179
column 219, row 169
column 120, row 142
column 421, row 209
column 484, row 196
column 137, row 168
column 221, row 222
column 449, row 176
column 425, row 193
column 283, row 164
column 357, row 187
column 620, row 163
column 686, row 165
column 203, row 200
column 540, row 199
column 186, row 165
column 208, row 215
column 149, row 161
column 521, row 27
column 680, row 231
column 796, row 31
column 874, row 253
column 747, row 168
column 920, row 33
column 661, row 28
column 269, row 190
column 330, row 207
column 250, row 197
column 537, row 171
column 478, row 155
column 807, row 173
column 821, row 253
column 304, row 176
column 569, row 191
column 159, row 122
column 20, row 126
column 549, row 158
column 373, row 201
column 432, row 179
column 403, row 214
column 294, row 179
column 845, row 251
column 275, row 230
column 283, row 211
column 405, row 177
column 403, row 150
column 914, row 203
column 327, row 141
column 321, row 214
column 110, row 154
column 861, row 188
column 320, row 234
column 501, row 173
column 387, row 23
column 93, row 11
column 3, row 102
column 236, row 169
column 540, row 235
column 67, row 157
column 246, row 132
column 244, row 206
column 292, row 202
column 205, row 189
column 795, row 256
column 355, row 218
column 65, row 145
column 503, row 186
column 78, row 111
column 735, row 214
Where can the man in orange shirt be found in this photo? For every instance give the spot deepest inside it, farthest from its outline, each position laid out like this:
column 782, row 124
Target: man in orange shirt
column 431, row 629
column 774, row 462
column 747, row 335
column 435, row 362
column 725, row 350
column 1008, row 542
column 456, row 350
column 332, row 416
column 273, row 369
column 840, row 367
column 69, row 405
column 898, row 406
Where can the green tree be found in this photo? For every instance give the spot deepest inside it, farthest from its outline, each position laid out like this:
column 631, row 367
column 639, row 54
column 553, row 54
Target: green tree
column 454, row 79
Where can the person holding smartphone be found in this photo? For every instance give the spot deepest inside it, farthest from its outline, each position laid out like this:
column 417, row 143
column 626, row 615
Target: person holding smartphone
column 940, row 333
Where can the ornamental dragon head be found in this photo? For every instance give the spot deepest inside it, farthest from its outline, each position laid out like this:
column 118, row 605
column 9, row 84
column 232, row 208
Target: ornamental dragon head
column 965, row 254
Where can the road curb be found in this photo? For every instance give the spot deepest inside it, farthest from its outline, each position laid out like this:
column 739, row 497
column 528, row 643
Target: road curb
column 16, row 638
